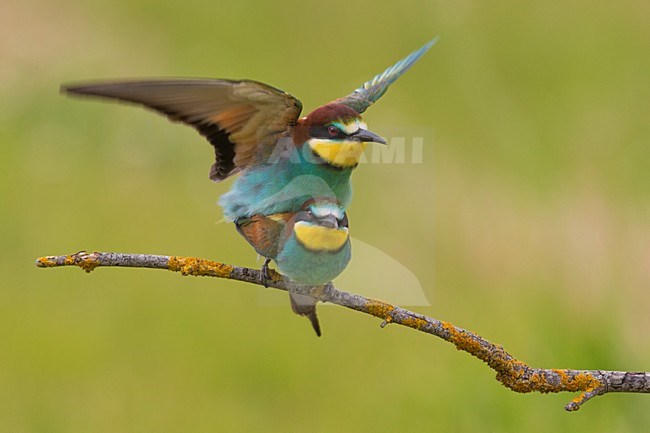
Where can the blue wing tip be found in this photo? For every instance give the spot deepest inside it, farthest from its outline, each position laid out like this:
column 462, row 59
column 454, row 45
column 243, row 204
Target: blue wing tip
column 432, row 42
column 405, row 64
column 375, row 88
column 425, row 47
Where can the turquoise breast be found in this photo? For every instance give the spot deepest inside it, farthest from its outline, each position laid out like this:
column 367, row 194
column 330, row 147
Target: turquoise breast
column 283, row 187
column 312, row 268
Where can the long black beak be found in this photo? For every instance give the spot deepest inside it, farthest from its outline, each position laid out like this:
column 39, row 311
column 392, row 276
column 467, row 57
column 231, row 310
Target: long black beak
column 365, row 135
column 329, row 221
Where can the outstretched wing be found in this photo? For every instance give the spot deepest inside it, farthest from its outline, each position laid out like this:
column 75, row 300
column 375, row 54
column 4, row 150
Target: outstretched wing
column 370, row 91
column 263, row 232
column 243, row 120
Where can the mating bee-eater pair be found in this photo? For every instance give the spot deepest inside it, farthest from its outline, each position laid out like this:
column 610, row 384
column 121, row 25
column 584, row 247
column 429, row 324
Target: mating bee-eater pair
column 290, row 199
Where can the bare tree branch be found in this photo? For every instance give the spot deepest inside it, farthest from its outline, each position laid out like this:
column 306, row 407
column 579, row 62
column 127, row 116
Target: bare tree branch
column 511, row 372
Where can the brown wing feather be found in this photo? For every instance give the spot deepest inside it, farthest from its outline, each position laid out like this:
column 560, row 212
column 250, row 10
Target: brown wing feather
column 263, row 232
column 243, row 120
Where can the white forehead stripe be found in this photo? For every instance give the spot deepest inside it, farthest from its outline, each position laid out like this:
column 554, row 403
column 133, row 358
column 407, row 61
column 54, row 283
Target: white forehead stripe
column 323, row 209
column 354, row 126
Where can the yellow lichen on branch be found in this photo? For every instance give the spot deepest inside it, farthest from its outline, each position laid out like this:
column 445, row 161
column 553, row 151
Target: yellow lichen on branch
column 578, row 382
column 551, row 381
column 464, row 341
column 517, row 375
column 46, row 262
column 87, row 262
column 199, row 267
column 415, row 323
column 380, row 309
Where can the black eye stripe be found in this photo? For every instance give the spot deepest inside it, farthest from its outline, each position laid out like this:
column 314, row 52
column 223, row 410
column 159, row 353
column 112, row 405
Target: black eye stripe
column 322, row 131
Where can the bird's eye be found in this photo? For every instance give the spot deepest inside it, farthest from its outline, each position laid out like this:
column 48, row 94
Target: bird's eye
column 333, row 131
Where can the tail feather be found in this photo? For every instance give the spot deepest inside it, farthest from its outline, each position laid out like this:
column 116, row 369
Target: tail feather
column 305, row 306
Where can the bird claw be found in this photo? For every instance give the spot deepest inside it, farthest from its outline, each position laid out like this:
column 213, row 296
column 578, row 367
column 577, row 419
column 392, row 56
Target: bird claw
column 265, row 276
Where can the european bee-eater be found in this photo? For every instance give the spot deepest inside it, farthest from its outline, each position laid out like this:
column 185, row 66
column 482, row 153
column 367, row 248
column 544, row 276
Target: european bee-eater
column 284, row 160
column 256, row 130
column 311, row 246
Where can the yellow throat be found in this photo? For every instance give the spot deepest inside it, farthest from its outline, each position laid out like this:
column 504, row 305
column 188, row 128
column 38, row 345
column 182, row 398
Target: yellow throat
column 338, row 153
column 319, row 238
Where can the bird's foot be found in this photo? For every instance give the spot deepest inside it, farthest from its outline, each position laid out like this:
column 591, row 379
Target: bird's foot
column 265, row 276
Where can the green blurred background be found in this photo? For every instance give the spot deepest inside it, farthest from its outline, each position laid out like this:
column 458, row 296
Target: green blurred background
column 527, row 222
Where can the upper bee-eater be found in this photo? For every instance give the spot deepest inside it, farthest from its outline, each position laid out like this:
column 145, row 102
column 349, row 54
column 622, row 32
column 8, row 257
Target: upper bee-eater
column 284, row 160
column 256, row 129
column 311, row 246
